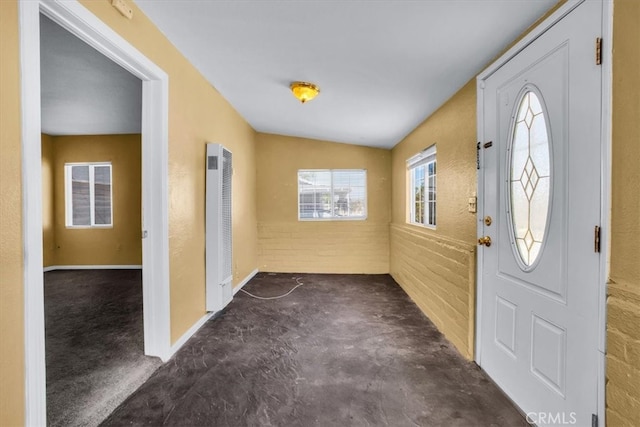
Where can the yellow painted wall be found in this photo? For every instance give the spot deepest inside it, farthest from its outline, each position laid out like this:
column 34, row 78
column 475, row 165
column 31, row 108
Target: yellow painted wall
column 453, row 129
column 48, row 202
column 117, row 245
column 197, row 114
column 437, row 267
column 623, row 304
column 11, row 267
column 289, row 245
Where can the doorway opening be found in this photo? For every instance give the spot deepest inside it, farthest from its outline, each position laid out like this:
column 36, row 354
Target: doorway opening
column 92, row 251
column 154, row 142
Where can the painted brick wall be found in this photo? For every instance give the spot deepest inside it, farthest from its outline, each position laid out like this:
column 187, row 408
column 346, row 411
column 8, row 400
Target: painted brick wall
column 324, row 247
column 623, row 355
column 439, row 275
column 286, row 244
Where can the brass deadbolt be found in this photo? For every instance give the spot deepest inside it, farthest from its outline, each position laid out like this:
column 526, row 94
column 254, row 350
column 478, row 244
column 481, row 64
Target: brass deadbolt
column 486, row 241
column 487, row 220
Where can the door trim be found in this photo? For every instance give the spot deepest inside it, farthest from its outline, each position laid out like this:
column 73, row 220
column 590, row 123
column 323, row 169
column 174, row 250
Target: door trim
column 606, row 142
column 155, row 102
column 605, row 202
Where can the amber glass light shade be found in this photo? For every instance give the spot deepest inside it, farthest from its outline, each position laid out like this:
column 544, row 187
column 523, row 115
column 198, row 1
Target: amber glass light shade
column 304, row 91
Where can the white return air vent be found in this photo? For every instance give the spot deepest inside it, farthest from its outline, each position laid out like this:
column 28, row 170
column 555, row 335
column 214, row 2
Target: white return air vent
column 218, row 228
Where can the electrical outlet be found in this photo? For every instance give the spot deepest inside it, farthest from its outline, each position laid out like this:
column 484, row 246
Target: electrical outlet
column 123, row 7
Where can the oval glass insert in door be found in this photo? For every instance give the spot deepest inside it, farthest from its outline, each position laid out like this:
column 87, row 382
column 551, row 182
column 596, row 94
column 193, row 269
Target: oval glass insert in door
column 529, row 179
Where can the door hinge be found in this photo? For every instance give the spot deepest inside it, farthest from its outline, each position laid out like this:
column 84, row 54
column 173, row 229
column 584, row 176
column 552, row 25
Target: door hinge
column 478, row 156
column 594, row 420
column 596, row 239
column 598, row 51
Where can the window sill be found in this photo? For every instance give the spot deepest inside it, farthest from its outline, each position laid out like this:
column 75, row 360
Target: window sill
column 427, row 226
column 88, row 227
column 338, row 219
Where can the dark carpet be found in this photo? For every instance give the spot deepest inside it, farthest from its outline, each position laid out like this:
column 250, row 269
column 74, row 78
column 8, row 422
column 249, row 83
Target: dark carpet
column 94, row 343
column 342, row 350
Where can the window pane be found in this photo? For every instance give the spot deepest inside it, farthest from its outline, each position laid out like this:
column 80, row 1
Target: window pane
column 332, row 193
column 419, row 193
column 349, row 193
column 432, row 213
column 102, row 195
column 432, row 188
column 80, row 207
column 423, row 191
column 419, row 216
column 314, row 190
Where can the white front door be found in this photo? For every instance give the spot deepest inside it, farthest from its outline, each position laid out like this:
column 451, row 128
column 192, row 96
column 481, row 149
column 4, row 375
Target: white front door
column 541, row 189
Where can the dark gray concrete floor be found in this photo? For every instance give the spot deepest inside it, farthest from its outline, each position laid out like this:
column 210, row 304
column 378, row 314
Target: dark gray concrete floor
column 342, row 350
column 94, row 343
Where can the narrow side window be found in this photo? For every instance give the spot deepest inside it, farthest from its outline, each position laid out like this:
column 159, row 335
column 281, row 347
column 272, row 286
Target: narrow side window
column 422, row 188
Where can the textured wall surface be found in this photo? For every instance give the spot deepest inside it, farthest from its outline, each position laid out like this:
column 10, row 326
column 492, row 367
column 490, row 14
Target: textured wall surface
column 289, row 245
column 452, row 128
column 117, row 245
column 623, row 304
column 11, row 266
column 437, row 267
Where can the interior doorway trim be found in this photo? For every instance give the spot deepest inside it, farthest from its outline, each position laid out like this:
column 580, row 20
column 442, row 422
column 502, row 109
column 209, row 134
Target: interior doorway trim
column 155, row 99
column 605, row 190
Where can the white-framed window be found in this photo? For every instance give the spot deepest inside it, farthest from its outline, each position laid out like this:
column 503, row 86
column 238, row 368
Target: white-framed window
column 332, row 194
column 88, row 195
column 422, row 190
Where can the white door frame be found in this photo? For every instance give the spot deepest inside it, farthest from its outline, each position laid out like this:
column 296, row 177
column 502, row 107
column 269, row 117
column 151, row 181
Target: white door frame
column 155, row 100
column 605, row 190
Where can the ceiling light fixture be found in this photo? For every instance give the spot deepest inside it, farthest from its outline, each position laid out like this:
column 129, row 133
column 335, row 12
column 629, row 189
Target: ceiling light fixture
column 304, row 91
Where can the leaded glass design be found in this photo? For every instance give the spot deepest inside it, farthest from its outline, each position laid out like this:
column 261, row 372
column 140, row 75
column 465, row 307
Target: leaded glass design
column 530, row 178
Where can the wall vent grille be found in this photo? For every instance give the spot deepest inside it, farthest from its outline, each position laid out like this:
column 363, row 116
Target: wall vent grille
column 212, row 162
column 218, row 223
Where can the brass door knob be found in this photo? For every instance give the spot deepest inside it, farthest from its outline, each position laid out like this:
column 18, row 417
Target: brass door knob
column 486, row 240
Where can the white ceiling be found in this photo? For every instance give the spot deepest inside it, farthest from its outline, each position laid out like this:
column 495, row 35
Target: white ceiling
column 382, row 66
column 83, row 92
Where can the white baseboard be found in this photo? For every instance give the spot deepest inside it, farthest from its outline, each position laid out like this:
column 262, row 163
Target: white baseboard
column 92, row 267
column 185, row 337
column 193, row 329
column 245, row 281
